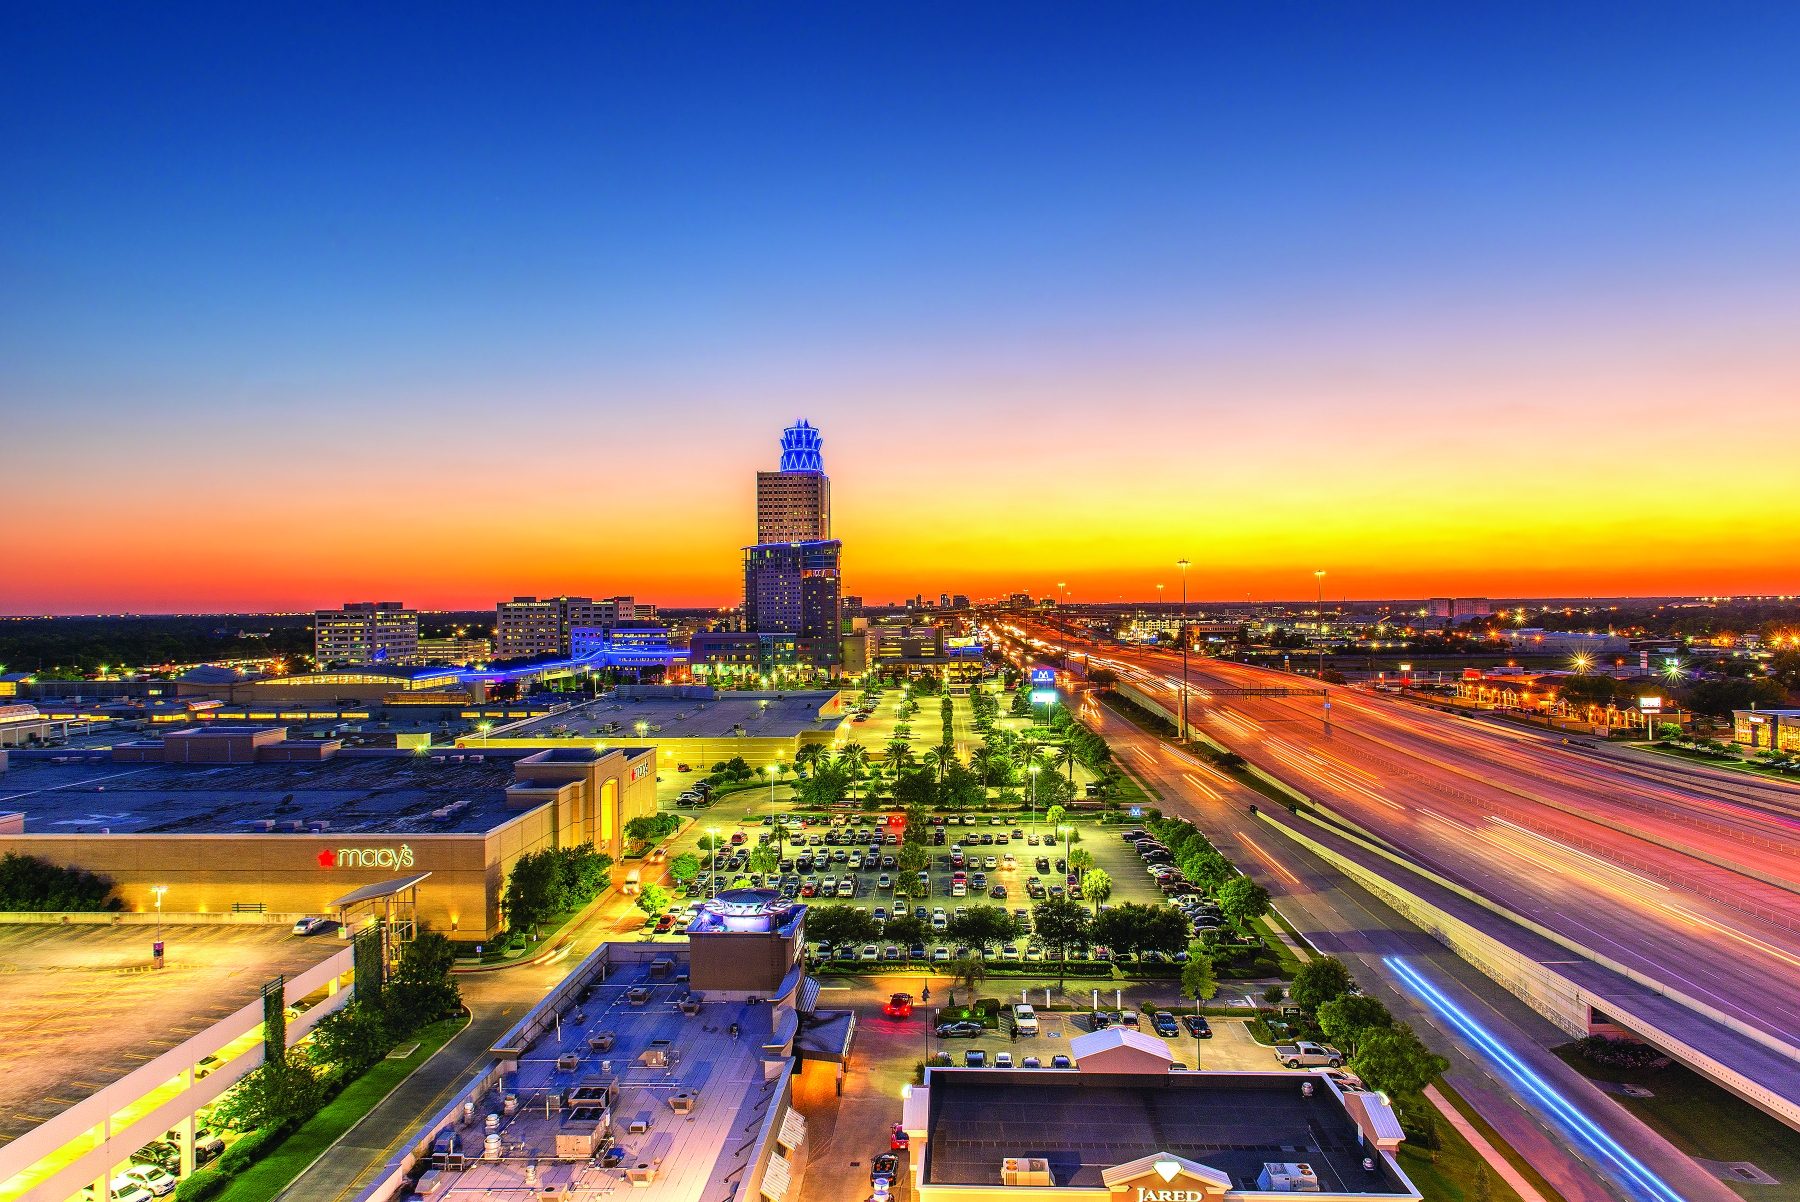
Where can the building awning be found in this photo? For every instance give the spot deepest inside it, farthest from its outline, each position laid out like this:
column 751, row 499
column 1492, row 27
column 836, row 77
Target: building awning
column 380, row 889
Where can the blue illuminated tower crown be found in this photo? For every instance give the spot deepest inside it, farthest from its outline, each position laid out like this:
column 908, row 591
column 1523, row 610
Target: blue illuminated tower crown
column 800, row 445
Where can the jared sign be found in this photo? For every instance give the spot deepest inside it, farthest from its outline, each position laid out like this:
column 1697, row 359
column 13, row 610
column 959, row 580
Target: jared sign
column 1170, row 1195
column 367, row 857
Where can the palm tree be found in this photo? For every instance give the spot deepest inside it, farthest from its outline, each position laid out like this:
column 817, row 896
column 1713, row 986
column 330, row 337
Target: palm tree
column 1064, row 757
column 808, row 757
column 853, row 756
column 899, row 755
column 939, row 758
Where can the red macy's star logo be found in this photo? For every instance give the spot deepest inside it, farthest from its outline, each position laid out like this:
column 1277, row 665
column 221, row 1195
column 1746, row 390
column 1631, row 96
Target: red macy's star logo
column 327, row 859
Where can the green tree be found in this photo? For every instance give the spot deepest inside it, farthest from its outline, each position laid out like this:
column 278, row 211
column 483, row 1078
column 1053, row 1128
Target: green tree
column 646, row 828
column 983, row 927
column 1346, row 1019
column 1080, row 860
column 653, row 900
column 906, row 930
column 914, row 857
column 1242, row 899
column 1320, row 980
column 971, row 970
column 1053, row 817
column 1096, row 886
column 352, row 1038
column 1197, row 979
column 28, row 884
column 837, row 926
column 421, row 989
column 270, row 1094
column 684, row 867
column 763, row 858
column 1394, row 1059
column 1061, row 926
column 531, row 889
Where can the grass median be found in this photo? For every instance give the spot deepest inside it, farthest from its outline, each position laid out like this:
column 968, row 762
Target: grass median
column 277, row 1170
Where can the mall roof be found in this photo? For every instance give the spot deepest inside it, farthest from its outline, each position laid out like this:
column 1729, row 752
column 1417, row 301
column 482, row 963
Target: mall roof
column 1084, row 1125
column 761, row 715
column 379, row 794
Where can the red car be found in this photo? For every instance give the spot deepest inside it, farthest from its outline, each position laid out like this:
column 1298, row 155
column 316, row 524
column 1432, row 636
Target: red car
column 737, row 837
column 898, row 1140
column 665, row 924
column 898, row 1006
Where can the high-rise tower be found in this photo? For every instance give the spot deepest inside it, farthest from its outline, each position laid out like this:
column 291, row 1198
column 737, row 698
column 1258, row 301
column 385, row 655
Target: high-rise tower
column 791, row 581
column 793, row 505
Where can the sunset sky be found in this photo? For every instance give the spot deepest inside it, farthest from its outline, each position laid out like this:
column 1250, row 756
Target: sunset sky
column 301, row 304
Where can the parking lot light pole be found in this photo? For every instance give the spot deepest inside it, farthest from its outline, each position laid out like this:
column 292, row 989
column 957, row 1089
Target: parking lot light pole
column 713, row 833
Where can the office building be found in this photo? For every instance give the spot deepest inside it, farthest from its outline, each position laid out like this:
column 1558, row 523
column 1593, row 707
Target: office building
column 794, row 504
column 1440, row 607
column 792, row 588
column 455, row 651
column 526, row 627
column 1470, row 607
column 630, row 648
column 366, row 632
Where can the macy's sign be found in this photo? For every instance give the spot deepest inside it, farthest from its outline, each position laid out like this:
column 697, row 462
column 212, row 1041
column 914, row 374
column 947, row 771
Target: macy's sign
column 367, row 857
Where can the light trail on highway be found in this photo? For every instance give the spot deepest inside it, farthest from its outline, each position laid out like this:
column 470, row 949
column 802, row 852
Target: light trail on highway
column 1684, row 879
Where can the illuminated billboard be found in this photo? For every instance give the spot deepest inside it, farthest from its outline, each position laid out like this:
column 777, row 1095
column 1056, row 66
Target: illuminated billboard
column 1040, row 676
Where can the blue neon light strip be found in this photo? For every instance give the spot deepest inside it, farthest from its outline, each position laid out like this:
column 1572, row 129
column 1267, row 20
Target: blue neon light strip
column 1585, row 1130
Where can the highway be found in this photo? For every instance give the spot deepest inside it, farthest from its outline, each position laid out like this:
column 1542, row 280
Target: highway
column 1689, row 877
column 1338, row 917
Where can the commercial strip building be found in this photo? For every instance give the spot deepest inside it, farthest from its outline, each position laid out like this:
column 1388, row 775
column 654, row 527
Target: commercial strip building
column 366, row 632
column 662, row 1070
column 104, row 1055
column 692, row 725
column 1534, row 641
column 1774, row 730
column 240, row 819
column 1123, row 1126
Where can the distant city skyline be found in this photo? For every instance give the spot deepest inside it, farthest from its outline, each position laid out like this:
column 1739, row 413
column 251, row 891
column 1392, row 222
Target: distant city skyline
column 1497, row 302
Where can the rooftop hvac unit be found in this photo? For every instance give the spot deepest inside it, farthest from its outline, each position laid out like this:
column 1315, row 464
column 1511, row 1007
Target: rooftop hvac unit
column 1288, row 1178
column 1026, row 1170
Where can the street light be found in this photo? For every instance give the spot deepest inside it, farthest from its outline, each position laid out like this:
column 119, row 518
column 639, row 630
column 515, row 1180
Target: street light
column 157, row 951
column 713, row 877
column 1183, row 565
column 1034, row 769
column 484, row 728
column 1319, row 577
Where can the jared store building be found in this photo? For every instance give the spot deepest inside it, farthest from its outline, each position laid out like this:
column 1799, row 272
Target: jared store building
column 241, row 818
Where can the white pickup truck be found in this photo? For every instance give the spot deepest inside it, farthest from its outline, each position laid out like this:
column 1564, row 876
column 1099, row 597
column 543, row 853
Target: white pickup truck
column 1309, row 1055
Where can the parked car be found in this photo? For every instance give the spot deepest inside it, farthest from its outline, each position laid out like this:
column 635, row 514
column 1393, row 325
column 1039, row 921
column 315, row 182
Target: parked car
column 1165, row 1025
column 1308, row 1055
column 886, row 1165
column 1031, row 1062
column 959, row 1030
column 1003, row 1060
column 154, row 1178
column 1060, row 1062
column 974, row 1058
column 1197, row 1026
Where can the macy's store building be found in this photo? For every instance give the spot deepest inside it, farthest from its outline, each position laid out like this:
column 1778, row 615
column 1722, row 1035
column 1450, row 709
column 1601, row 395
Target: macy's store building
column 244, row 821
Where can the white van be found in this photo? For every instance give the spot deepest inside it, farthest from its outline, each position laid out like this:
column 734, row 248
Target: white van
column 1025, row 1019
column 632, row 883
